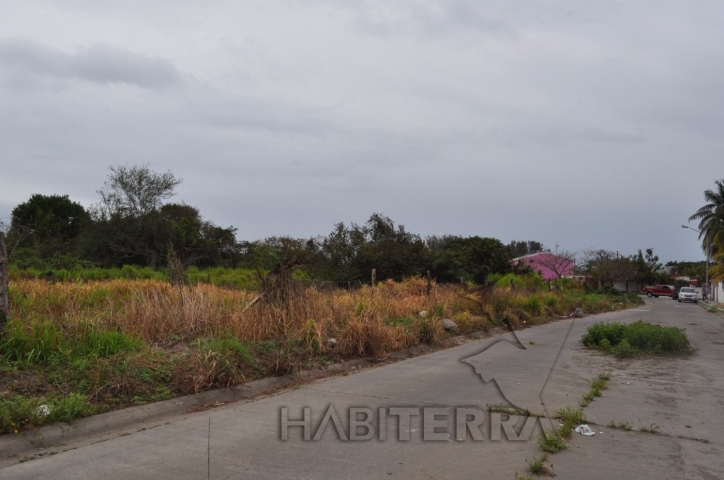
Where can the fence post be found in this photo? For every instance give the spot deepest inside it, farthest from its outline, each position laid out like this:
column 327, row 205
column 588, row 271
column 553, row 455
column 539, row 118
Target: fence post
column 4, row 303
column 374, row 279
column 429, row 283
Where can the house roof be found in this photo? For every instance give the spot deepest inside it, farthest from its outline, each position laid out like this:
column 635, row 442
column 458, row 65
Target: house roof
column 535, row 255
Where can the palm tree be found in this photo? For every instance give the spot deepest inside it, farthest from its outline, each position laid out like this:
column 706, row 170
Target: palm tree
column 717, row 271
column 711, row 218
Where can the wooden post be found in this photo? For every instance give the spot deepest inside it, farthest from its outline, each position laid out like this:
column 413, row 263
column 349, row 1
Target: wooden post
column 4, row 303
column 374, row 281
column 429, row 283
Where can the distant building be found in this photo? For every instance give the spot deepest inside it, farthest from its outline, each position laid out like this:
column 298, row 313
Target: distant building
column 548, row 265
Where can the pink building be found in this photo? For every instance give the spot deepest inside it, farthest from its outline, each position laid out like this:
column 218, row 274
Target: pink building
column 548, row 265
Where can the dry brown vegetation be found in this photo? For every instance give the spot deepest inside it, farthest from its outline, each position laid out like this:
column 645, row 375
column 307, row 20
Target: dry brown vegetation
column 123, row 342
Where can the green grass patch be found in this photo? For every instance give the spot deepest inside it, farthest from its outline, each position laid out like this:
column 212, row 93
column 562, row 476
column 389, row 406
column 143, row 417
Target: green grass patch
column 551, row 442
column 40, row 342
column 22, row 412
column 537, row 465
column 570, row 417
column 634, row 339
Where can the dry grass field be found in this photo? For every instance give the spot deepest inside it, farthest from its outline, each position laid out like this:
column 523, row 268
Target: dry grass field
column 87, row 347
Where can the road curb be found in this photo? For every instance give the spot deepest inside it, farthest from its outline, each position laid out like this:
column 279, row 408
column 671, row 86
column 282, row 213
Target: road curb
column 14, row 446
column 27, row 443
column 57, row 435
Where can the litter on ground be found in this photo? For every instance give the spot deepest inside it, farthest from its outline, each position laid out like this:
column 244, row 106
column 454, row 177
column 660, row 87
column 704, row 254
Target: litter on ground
column 585, row 430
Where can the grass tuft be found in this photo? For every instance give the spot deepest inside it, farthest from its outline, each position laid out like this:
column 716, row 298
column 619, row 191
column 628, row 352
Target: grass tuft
column 627, row 426
column 551, row 442
column 536, row 465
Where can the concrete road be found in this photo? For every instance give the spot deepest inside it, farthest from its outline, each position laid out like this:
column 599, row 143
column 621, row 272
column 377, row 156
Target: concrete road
column 681, row 396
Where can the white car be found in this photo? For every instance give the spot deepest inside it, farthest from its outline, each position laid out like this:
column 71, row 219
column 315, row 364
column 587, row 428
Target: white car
column 687, row 294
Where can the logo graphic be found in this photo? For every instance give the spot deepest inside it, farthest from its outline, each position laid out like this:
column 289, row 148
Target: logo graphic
column 520, row 378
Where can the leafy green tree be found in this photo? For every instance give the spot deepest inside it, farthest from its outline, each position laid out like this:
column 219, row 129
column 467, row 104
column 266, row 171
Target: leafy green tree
column 470, row 259
column 350, row 253
column 607, row 267
column 341, row 250
column 133, row 225
column 393, row 252
column 524, row 247
column 219, row 247
column 48, row 223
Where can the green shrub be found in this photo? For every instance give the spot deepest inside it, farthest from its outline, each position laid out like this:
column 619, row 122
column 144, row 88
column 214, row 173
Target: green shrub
column 228, row 348
column 531, row 281
column 633, row 298
column 613, row 333
column 623, row 349
column 551, row 301
column 637, row 338
column 533, row 305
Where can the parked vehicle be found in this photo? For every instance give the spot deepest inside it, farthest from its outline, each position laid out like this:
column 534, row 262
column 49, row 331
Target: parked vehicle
column 687, row 294
column 658, row 291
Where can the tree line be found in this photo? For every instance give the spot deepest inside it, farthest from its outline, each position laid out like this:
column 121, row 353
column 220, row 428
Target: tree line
column 134, row 224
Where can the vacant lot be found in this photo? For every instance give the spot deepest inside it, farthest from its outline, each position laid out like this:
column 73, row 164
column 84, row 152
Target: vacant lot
column 77, row 348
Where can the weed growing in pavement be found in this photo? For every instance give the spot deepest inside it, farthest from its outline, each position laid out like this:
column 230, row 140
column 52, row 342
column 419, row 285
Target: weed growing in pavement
column 551, row 442
column 621, row 425
column 599, row 384
column 587, row 399
column 653, row 428
column 510, row 411
column 536, row 465
column 570, row 417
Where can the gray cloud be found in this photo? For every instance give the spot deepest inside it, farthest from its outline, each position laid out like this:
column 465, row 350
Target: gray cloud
column 435, row 18
column 99, row 64
column 562, row 121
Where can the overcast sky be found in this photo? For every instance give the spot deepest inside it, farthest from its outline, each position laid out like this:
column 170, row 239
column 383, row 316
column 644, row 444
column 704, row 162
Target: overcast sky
column 582, row 124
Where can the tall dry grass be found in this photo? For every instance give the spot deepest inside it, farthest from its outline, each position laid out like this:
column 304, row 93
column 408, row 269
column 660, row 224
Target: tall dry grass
column 367, row 321
column 160, row 313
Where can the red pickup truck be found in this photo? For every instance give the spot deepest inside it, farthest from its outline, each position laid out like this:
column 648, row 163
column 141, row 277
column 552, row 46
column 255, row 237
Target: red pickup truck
column 658, row 290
